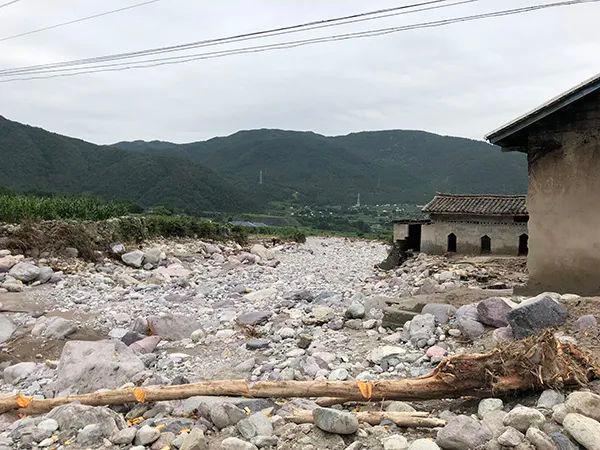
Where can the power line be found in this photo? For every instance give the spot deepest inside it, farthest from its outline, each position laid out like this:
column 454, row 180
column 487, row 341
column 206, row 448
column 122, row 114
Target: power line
column 9, row 3
column 298, row 43
column 242, row 37
column 71, row 22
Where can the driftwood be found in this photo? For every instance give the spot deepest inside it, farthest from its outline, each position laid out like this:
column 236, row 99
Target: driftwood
column 402, row 419
column 535, row 363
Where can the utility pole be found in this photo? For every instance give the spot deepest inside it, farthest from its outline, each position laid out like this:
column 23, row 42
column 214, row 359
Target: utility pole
column 358, row 201
column 260, row 178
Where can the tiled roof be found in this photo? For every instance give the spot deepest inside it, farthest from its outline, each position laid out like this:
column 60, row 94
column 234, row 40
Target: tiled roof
column 481, row 205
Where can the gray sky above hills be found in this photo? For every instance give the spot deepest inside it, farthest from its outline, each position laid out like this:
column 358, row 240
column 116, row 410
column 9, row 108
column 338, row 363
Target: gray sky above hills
column 464, row 79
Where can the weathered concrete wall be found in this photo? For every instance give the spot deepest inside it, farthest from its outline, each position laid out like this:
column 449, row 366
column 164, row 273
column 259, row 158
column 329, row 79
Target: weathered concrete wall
column 504, row 234
column 564, row 200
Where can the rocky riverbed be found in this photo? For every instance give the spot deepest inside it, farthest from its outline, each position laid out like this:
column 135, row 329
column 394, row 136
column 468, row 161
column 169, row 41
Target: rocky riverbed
column 175, row 312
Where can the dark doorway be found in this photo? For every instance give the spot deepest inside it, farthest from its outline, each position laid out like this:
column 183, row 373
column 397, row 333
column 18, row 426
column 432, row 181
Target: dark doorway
column 486, row 245
column 414, row 237
column 523, row 245
column 452, row 243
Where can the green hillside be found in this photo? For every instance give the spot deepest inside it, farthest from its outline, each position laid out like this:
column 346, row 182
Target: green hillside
column 35, row 159
column 384, row 166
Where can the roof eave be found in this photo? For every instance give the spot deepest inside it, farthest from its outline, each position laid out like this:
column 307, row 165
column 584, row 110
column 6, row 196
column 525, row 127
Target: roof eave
column 497, row 136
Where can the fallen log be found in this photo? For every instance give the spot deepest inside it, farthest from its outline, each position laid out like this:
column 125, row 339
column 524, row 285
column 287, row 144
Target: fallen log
column 535, row 363
column 401, row 419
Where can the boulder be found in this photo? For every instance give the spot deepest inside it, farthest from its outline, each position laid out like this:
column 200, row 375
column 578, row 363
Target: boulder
column 86, row 366
column 7, row 262
column 463, row 432
column 511, row 437
column 17, row 372
column 172, row 327
column 423, row 444
column 522, row 417
column 539, row 439
column 133, row 259
column 489, row 404
column 584, row 430
column 334, row 421
column 53, row 327
column 154, row 256
column 145, row 345
column 549, row 398
column 493, row 311
column 73, row 417
column 7, row 328
column 195, row 440
column 257, row 424
column 441, row 311
column 586, row 322
column 45, row 275
column 356, row 310
column 262, row 252
column 422, row 328
column 233, row 443
column 468, row 323
column 585, row 403
column 395, row 442
column 24, row 271
column 536, row 314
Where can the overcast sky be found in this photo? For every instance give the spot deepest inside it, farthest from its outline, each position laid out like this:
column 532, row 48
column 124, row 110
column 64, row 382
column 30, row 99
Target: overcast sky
column 464, row 79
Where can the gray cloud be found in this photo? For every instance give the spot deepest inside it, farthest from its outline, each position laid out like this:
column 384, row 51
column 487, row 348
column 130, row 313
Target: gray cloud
column 464, row 79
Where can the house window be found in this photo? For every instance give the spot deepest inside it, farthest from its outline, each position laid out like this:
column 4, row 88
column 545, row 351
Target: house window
column 452, row 243
column 523, row 245
column 486, row 245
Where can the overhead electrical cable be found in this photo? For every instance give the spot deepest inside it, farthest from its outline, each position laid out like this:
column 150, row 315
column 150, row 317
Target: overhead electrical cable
column 82, row 19
column 253, row 35
column 298, row 43
column 9, row 3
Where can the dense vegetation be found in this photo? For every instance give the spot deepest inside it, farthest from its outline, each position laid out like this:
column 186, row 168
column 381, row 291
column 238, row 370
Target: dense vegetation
column 19, row 207
column 384, row 166
column 35, row 159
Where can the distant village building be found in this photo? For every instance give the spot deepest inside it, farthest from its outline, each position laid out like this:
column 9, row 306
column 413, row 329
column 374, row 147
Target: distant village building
column 562, row 142
column 468, row 224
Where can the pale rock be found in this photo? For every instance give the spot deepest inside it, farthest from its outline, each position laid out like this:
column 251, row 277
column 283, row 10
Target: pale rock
column 584, row 430
column 233, row 443
column 549, row 398
column 146, row 435
column 585, row 403
column 261, row 295
column 523, row 417
column 441, row 311
column 7, row 328
column 380, row 353
column 258, row 424
column 423, row 444
column 463, row 432
column 18, row 372
column 86, row 366
column 395, row 442
column 540, row 440
column 334, row 421
column 489, row 404
column 510, row 437
column 124, row 436
column 398, row 406
column 262, row 252
column 24, row 271
column 195, row 440
column 133, row 259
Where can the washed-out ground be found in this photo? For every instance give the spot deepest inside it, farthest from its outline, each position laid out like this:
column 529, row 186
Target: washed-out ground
column 184, row 311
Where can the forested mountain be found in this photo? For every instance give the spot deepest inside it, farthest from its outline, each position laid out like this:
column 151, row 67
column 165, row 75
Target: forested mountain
column 383, row 166
column 36, row 160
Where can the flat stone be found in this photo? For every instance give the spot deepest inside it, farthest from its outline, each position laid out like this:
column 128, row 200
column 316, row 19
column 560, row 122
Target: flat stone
column 257, row 344
column 133, row 259
column 539, row 439
column 380, row 353
column 254, row 318
column 549, row 398
column 257, row 424
column 195, row 440
column 586, row 322
column 18, row 372
column 233, row 443
column 510, row 437
column 146, row 435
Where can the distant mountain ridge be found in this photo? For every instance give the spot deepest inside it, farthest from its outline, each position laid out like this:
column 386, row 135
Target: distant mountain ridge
column 383, row 166
column 223, row 173
column 35, row 159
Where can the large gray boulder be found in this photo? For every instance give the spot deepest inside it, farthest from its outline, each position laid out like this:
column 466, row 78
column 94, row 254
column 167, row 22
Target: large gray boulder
column 586, row 403
column 463, row 432
column 86, row 366
column 25, row 272
column 536, row 314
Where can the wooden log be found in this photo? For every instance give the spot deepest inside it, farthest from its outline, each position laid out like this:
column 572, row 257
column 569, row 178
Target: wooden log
column 401, row 419
column 536, row 363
